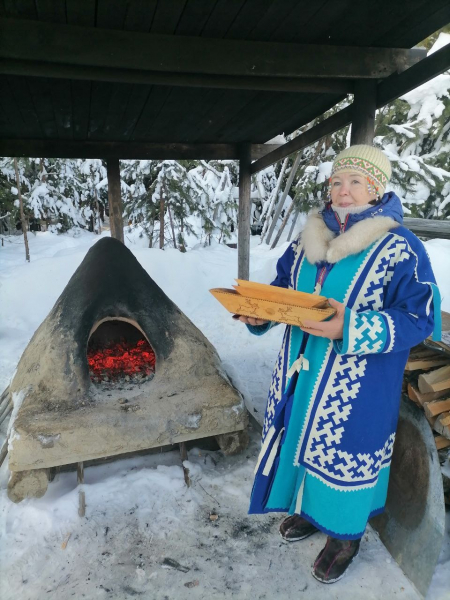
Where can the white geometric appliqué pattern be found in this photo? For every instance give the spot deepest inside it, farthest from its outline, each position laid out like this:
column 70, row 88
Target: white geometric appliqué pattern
column 371, row 298
column 366, row 333
column 335, row 407
column 371, row 294
column 275, row 391
column 322, row 451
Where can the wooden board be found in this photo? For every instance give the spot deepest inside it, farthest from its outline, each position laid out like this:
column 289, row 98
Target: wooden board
column 269, row 310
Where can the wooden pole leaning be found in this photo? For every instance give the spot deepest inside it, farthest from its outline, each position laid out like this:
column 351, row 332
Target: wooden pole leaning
column 282, row 200
column 244, row 212
column 114, row 199
column 363, row 115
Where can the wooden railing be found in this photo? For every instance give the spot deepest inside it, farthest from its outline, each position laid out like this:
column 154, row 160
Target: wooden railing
column 429, row 228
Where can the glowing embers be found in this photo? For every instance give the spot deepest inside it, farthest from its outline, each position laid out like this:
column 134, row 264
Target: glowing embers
column 118, row 351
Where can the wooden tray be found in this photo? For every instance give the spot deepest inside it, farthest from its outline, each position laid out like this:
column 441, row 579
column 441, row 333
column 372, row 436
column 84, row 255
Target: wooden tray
column 263, row 291
column 268, row 309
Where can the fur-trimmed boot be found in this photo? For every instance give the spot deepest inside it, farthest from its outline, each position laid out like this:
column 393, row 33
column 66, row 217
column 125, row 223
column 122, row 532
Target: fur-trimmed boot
column 334, row 560
column 296, row 528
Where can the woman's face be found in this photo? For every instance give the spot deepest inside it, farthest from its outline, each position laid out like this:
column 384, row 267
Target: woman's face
column 350, row 189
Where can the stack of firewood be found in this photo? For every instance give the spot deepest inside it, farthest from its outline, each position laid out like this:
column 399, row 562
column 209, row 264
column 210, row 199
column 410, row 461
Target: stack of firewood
column 427, row 382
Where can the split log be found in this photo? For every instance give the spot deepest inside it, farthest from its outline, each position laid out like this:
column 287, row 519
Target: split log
column 435, row 408
column 421, row 399
column 426, row 362
column 435, row 381
column 441, row 442
column 442, row 425
column 431, row 421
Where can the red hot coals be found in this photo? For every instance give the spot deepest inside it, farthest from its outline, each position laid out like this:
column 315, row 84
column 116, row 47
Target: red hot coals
column 119, row 360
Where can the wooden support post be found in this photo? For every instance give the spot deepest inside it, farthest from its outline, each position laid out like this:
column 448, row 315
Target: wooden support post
column 81, row 495
column 363, row 117
column 114, row 199
column 244, row 213
column 184, row 456
column 183, row 451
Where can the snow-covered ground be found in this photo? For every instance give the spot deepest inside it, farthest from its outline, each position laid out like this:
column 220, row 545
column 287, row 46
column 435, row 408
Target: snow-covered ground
column 139, row 511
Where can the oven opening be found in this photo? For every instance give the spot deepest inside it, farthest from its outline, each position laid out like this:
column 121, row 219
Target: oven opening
column 119, row 351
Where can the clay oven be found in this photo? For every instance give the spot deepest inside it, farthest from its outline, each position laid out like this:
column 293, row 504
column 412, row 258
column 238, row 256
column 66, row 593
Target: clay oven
column 115, row 368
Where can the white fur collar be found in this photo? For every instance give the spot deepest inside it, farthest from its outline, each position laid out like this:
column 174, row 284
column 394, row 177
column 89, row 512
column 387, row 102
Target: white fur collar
column 320, row 243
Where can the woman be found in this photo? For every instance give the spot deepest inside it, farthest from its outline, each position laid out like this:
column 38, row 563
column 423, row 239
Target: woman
column 334, row 399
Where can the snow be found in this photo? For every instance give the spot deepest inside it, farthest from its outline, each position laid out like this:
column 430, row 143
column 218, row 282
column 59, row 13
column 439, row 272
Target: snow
column 442, row 40
column 139, row 510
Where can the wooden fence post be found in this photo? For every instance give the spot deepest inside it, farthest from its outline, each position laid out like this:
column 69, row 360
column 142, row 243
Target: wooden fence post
column 244, row 212
column 114, row 199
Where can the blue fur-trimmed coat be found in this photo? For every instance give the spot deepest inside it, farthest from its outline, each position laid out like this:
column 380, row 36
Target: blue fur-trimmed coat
column 331, row 422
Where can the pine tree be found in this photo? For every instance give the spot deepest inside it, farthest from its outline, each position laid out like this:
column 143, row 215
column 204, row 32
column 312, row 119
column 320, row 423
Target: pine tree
column 161, row 192
column 414, row 133
column 50, row 190
column 217, row 207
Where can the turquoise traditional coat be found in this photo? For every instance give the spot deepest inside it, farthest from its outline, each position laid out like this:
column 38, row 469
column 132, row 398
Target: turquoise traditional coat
column 333, row 405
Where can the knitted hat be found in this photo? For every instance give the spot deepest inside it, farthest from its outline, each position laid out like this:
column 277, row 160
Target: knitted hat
column 367, row 160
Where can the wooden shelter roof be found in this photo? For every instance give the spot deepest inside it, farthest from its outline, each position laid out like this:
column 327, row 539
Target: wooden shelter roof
column 80, row 75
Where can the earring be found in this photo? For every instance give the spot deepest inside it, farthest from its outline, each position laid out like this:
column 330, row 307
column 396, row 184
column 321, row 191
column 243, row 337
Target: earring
column 372, row 188
column 329, row 191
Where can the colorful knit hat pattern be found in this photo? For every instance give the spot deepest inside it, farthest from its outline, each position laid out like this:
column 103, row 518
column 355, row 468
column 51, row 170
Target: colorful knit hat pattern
column 369, row 161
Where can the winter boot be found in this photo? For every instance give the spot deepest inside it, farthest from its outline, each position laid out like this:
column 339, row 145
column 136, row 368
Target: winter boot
column 296, row 528
column 334, row 559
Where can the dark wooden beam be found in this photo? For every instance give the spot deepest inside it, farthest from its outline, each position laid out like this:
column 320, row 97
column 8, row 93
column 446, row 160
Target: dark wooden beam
column 395, row 86
column 62, row 44
column 114, row 199
column 260, row 150
column 388, row 90
column 244, row 213
column 30, row 68
column 330, row 125
column 364, row 107
column 430, row 228
column 127, row 150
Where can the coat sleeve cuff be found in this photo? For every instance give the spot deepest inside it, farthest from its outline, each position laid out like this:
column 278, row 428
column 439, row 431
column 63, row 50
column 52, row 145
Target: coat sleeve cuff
column 261, row 329
column 364, row 333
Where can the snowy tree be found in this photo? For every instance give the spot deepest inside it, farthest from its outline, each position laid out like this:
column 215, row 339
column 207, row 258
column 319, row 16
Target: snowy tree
column 311, row 178
column 50, row 190
column 414, row 133
column 163, row 193
column 217, row 207
column 92, row 184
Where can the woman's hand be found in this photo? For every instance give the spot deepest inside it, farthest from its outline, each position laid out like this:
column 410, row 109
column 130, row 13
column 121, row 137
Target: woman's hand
column 332, row 329
column 250, row 320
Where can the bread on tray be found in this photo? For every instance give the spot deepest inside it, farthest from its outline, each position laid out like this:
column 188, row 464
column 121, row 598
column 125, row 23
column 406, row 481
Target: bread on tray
column 272, row 303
